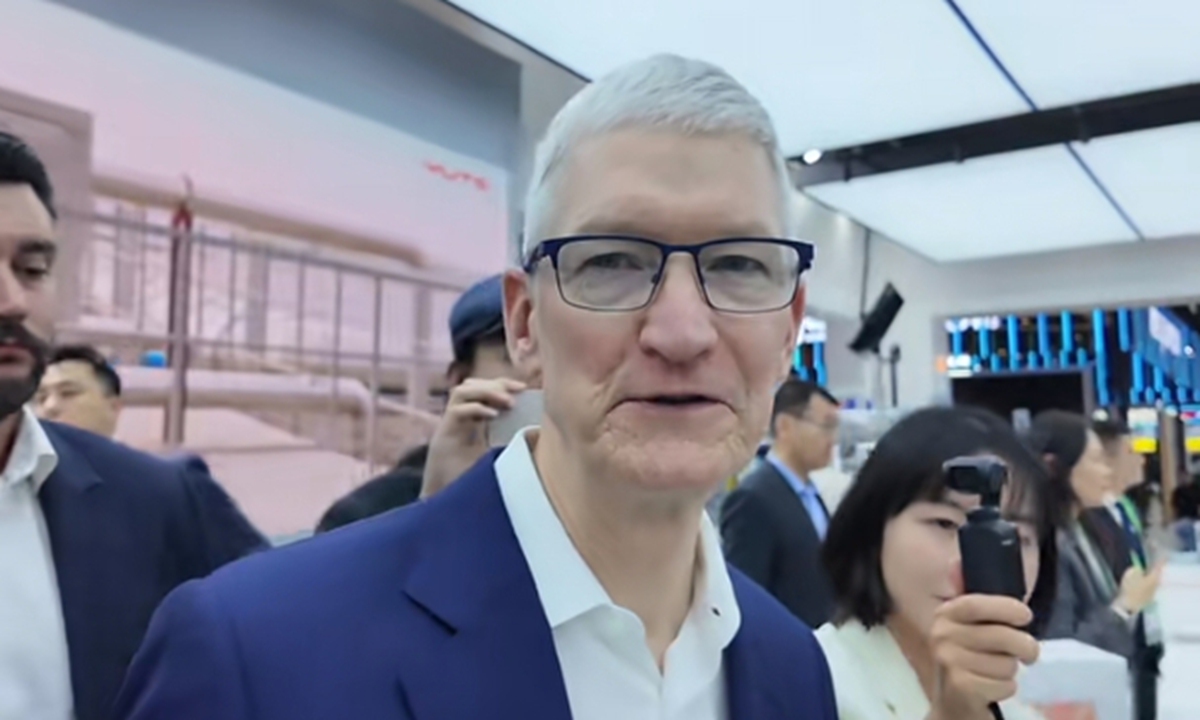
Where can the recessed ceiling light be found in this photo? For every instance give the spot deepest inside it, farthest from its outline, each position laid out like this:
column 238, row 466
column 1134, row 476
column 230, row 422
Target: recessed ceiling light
column 811, row 157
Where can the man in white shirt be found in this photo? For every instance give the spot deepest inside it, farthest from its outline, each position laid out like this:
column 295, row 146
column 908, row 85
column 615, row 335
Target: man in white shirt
column 92, row 534
column 575, row 574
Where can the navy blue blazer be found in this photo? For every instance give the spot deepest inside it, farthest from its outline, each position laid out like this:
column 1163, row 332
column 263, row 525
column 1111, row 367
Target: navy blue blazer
column 428, row 612
column 125, row 529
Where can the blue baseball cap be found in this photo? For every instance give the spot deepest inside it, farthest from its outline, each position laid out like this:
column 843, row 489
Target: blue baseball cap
column 478, row 312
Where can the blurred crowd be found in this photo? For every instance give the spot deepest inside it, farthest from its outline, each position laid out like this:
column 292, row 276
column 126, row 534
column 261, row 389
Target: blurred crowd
column 556, row 550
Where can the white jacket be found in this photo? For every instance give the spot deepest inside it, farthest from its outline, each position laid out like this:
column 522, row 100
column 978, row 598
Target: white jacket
column 872, row 680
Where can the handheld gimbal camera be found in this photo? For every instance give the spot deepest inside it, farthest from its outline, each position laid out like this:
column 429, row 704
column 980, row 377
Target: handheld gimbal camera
column 990, row 545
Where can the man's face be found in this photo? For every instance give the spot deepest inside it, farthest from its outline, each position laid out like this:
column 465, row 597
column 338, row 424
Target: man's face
column 598, row 368
column 808, row 438
column 27, row 297
column 491, row 362
column 72, row 393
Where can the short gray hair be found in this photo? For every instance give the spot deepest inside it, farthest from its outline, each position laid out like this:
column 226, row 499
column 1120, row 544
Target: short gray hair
column 662, row 91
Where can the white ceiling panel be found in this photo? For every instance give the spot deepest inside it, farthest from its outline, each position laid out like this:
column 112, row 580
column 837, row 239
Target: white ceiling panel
column 831, row 73
column 1023, row 202
column 1068, row 51
column 1154, row 175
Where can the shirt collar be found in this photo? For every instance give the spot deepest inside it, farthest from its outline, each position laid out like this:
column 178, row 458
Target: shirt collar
column 565, row 584
column 33, row 457
column 799, row 484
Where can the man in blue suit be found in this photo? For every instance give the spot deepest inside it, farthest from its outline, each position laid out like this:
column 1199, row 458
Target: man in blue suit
column 92, row 534
column 574, row 575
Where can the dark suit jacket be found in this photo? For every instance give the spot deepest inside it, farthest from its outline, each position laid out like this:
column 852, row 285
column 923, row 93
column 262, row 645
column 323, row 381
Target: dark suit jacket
column 429, row 612
column 1083, row 605
column 125, row 529
column 1109, row 537
column 769, row 535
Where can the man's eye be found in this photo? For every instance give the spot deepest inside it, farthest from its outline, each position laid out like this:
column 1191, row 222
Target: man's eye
column 33, row 269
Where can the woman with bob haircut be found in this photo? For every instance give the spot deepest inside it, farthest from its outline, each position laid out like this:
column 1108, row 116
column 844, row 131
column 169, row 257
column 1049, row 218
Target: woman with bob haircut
column 906, row 642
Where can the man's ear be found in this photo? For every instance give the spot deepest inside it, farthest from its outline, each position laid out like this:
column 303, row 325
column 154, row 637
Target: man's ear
column 520, row 328
column 796, row 316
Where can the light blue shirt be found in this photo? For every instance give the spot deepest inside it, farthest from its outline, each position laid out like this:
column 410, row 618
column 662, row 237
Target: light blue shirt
column 807, row 492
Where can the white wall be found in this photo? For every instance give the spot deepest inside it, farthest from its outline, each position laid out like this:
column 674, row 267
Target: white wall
column 1137, row 273
column 835, row 288
column 160, row 113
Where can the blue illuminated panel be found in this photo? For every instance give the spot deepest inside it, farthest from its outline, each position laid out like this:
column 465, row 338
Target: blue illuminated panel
column 1043, row 335
column 1014, row 343
column 1067, row 344
column 1099, row 346
column 1123, row 334
column 1139, row 378
column 819, row 362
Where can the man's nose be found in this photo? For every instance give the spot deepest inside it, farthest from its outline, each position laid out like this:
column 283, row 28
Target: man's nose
column 14, row 299
column 679, row 322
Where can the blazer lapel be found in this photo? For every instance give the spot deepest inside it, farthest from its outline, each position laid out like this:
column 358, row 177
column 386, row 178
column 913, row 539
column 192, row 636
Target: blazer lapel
column 491, row 653
column 75, row 524
column 749, row 683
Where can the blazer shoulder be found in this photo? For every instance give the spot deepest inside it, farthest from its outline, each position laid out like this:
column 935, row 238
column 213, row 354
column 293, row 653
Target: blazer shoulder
column 112, row 461
column 771, row 626
column 761, row 479
column 332, row 570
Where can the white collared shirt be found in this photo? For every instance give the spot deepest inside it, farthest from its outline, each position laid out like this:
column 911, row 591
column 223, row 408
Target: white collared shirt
column 35, row 672
column 608, row 669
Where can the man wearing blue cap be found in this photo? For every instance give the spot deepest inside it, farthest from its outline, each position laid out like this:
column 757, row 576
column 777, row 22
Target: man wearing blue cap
column 481, row 385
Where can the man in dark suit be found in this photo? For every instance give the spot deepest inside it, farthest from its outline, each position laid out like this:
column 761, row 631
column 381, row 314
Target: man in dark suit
column 575, row 575
column 1117, row 528
column 774, row 522
column 92, row 534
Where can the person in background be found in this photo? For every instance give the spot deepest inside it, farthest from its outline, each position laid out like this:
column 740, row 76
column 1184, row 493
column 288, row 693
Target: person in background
column 80, row 388
column 1118, row 529
column 774, row 522
column 574, row 573
column 1093, row 605
column 906, row 642
column 482, row 382
column 93, row 534
column 1185, row 501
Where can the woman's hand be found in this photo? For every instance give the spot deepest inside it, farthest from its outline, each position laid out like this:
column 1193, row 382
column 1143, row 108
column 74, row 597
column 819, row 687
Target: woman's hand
column 978, row 647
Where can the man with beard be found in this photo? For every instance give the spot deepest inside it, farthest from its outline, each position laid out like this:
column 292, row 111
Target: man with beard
column 92, row 534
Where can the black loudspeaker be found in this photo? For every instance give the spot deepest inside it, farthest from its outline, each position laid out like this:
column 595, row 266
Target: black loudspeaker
column 876, row 323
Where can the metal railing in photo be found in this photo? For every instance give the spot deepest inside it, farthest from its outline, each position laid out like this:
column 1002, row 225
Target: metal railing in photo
column 221, row 298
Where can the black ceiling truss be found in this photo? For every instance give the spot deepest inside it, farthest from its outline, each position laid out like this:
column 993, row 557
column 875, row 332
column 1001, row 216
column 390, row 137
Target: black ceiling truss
column 1074, row 123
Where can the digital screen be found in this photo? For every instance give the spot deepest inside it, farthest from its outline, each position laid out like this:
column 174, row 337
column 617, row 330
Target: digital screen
column 1143, row 429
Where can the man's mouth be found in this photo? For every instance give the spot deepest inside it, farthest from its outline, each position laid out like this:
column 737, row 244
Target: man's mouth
column 678, row 400
column 14, row 355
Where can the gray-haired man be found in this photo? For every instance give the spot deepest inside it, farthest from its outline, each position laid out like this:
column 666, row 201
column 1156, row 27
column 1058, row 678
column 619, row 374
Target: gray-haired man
column 574, row 574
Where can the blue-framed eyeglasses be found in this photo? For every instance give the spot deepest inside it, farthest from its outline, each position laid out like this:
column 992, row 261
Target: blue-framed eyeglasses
column 622, row 272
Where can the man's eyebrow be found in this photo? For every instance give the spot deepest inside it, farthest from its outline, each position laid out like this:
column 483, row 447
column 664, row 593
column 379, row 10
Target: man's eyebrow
column 33, row 246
